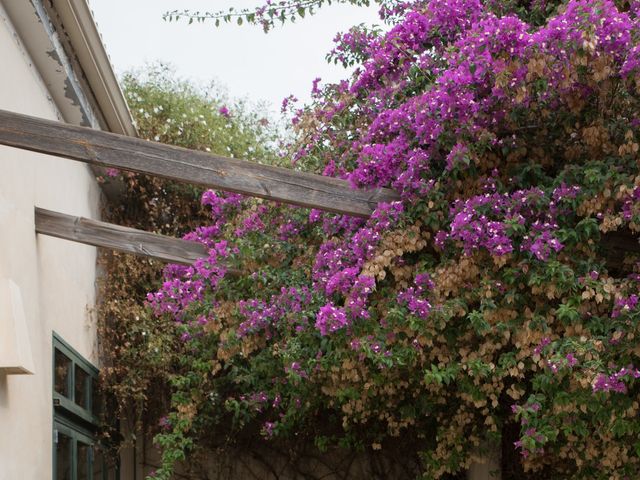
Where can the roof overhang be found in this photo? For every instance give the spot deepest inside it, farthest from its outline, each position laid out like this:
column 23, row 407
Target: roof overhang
column 63, row 41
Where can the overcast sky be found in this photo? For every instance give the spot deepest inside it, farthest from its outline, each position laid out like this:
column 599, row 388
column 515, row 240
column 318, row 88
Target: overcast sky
column 249, row 62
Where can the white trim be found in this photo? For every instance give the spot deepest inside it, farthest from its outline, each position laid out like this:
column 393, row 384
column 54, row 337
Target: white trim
column 80, row 26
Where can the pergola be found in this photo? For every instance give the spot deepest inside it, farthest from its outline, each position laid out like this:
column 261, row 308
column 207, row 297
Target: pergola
column 105, row 149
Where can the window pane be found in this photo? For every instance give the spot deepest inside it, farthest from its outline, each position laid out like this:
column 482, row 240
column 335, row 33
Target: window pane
column 98, row 464
column 83, row 461
column 81, row 387
column 63, row 458
column 97, row 397
column 62, row 368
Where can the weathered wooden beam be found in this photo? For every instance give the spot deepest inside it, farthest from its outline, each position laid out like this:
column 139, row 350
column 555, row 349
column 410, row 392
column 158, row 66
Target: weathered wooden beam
column 124, row 239
column 175, row 250
column 133, row 154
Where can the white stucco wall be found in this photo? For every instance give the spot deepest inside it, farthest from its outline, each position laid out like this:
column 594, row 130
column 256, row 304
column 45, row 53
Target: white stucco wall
column 56, row 277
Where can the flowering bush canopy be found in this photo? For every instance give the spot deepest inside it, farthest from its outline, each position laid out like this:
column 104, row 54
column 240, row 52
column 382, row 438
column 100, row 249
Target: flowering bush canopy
column 486, row 298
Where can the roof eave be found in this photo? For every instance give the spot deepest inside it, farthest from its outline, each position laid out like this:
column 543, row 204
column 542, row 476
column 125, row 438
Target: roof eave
column 62, row 39
column 79, row 25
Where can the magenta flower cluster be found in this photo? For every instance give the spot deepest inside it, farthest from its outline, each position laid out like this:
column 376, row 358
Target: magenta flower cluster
column 614, row 382
column 486, row 221
column 267, row 317
column 185, row 286
column 330, row 319
column 414, row 298
column 467, row 48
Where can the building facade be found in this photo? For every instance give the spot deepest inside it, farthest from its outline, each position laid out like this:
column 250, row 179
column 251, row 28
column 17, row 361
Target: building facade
column 54, row 67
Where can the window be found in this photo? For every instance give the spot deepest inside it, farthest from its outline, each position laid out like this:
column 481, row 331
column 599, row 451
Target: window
column 77, row 403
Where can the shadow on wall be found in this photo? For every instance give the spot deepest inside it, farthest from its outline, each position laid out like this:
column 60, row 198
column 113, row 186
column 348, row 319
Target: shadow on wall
column 4, row 390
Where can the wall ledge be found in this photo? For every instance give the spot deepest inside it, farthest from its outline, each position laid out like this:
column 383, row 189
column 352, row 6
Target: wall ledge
column 15, row 347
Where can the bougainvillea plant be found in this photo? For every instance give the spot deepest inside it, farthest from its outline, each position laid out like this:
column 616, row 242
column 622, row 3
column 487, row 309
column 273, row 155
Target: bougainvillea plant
column 484, row 307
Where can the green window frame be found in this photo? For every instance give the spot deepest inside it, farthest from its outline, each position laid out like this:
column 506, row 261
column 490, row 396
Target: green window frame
column 84, row 459
column 81, row 376
column 76, row 408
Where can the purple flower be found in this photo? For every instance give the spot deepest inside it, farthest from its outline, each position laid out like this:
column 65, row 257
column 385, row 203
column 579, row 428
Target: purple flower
column 543, row 343
column 268, row 429
column 614, row 382
column 164, row 423
column 331, row 319
column 572, row 361
column 624, row 305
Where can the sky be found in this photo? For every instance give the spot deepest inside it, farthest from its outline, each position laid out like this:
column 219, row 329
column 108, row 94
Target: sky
column 250, row 63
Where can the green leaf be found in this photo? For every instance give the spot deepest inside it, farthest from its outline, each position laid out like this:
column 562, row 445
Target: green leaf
column 567, row 313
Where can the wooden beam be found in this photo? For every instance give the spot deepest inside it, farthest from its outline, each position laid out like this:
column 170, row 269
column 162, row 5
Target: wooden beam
column 124, row 239
column 118, row 151
column 175, row 250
